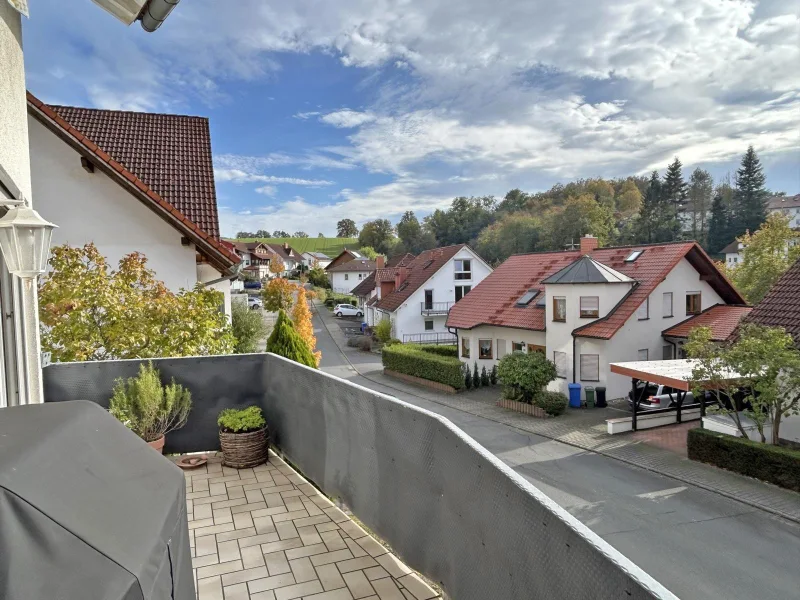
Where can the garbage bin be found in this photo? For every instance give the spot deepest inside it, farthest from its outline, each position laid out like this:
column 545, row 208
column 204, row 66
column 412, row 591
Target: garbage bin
column 601, row 397
column 574, row 395
column 589, row 396
column 363, row 327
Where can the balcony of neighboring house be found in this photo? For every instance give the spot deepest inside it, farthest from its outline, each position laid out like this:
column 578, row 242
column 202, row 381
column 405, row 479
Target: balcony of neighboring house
column 437, row 338
column 351, row 502
column 433, row 309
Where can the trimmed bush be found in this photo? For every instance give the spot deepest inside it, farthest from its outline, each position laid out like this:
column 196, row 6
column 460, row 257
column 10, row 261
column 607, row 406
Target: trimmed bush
column 476, row 377
column 553, row 403
column 467, row 376
column 451, row 351
column 774, row 464
column 411, row 360
column 528, row 373
column 492, row 374
column 232, row 420
column 383, row 330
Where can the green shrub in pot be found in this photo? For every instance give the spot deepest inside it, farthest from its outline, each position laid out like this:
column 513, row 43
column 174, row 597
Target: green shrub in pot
column 243, row 437
column 233, row 420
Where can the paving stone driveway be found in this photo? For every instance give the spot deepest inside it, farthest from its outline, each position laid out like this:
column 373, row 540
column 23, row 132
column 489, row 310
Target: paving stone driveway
column 267, row 534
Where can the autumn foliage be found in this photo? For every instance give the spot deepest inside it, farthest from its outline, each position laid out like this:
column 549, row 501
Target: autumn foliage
column 89, row 312
column 301, row 316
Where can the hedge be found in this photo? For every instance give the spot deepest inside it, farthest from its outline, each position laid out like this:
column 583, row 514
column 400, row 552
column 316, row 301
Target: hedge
column 451, row 351
column 774, row 464
column 413, row 360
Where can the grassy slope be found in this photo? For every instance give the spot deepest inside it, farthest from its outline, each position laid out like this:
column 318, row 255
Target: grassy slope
column 329, row 246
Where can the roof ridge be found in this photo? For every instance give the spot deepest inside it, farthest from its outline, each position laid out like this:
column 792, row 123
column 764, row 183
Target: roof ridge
column 127, row 112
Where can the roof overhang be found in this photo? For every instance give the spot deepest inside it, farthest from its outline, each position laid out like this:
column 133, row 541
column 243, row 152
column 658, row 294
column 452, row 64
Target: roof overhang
column 216, row 254
column 674, row 373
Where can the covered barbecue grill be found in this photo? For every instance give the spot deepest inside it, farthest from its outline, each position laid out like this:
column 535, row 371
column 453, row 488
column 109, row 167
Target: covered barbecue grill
column 88, row 510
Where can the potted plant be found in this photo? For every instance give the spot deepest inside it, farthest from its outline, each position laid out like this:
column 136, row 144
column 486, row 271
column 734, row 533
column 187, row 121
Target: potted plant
column 243, row 437
column 149, row 409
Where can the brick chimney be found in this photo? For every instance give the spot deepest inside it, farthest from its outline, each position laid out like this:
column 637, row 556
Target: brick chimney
column 380, row 261
column 286, row 246
column 400, row 277
column 588, row 243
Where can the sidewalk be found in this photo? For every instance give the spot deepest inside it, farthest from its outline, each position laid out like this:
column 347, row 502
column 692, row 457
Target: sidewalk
column 584, row 432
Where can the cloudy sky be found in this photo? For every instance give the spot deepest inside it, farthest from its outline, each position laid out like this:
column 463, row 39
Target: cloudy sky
column 367, row 108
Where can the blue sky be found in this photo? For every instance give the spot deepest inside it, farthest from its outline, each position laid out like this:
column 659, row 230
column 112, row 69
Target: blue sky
column 367, row 108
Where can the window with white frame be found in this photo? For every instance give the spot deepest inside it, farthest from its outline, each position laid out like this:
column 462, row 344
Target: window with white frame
column 463, row 268
column 560, row 360
column 643, row 311
column 590, row 307
column 429, row 325
column 643, row 354
column 666, row 305
column 590, row 367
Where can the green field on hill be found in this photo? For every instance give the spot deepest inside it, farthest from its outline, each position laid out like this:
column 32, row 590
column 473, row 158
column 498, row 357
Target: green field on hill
column 330, row 246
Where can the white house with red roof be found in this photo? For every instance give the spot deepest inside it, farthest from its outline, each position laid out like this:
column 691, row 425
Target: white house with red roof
column 587, row 308
column 132, row 182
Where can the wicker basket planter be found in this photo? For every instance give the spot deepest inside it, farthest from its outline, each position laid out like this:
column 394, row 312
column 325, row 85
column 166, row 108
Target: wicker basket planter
column 244, row 450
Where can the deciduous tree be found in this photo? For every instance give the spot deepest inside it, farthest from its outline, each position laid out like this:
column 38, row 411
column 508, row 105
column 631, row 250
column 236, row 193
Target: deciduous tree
column 580, row 216
column 276, row 265
column 278, row 294
column 248, row 328
column 89, row 312
column 512, row 234
column 346, row 228
column 378, row 234
column 299, row 234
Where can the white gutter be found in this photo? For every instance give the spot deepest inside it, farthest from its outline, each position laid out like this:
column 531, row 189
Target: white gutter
column 155, row 13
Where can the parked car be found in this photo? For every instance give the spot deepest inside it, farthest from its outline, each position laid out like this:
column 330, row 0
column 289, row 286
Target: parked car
column 658, row 396
column 254, row 302
column 347, row 310
column 252, row 285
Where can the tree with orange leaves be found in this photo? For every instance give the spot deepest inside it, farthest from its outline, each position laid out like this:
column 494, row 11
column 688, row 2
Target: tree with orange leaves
column 301, row 316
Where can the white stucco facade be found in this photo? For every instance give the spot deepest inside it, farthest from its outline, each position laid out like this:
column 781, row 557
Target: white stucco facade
column 408, row 318
column 91, row 207
column 635, row 336
column 343, row 283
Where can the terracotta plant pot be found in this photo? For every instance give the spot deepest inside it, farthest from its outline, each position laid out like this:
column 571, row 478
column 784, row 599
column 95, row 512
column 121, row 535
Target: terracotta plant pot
column 244, row 450
column 157, row 444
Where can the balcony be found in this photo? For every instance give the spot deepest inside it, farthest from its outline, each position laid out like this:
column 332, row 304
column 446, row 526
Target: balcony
column 432, row 309
column 444, row 505
column 437, row 338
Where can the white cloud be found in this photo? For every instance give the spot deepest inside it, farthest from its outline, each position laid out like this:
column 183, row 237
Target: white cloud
column 238, row 176
column 303, row 116
column 267, row 190
column 347, row 118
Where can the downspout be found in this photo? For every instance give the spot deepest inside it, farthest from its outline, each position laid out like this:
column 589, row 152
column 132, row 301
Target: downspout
column 574, row 356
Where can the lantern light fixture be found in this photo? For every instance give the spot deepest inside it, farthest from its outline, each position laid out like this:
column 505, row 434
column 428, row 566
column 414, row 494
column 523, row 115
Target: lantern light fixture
column 25, row 241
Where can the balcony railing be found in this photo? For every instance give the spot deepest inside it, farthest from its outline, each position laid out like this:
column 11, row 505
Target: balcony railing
column 429, row 309
column 430, row 338
column 447, row 506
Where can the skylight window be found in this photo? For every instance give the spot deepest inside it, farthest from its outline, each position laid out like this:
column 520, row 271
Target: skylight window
column 427, row 264
column 526, row 298
column 633, row 256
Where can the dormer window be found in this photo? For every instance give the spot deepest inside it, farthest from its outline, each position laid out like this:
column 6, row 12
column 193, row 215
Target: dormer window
column 527, row 297
column 633, row 256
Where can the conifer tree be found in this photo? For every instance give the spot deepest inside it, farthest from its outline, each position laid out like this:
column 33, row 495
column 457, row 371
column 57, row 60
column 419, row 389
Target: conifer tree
column 674, row 188
column 750, row 196
column 285, row 341
column 719, row 229
column 301, row 317
column 658, row 220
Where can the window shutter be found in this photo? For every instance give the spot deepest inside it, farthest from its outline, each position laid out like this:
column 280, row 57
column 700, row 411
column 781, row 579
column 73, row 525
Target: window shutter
column 560, row 359
column 644, row 309
column 644, row 354
column 501, row 348
column 667, row 305
column 590, row 367
column 590, row 303
column 667, row 352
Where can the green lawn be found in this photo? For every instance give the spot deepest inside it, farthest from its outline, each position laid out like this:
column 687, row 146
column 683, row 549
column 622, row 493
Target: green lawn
column 330, row 246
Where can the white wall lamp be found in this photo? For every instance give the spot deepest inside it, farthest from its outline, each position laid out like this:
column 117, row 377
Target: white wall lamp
column 25, row 241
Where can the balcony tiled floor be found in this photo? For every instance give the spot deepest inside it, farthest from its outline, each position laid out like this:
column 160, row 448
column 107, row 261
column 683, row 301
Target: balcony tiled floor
column 267, row 534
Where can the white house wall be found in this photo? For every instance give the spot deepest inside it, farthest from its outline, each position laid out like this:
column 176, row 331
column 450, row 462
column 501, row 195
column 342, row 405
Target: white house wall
column 341, row 285
column 90, row 207
column 502, row 342
column 206, row 272
column 408, row 317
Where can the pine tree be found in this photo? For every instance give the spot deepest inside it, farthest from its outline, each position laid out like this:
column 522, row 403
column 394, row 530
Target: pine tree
column 285, row 341
column 674, row 188
column 467, row 376
column 719, row 229
column 750, row 197
column 484, row 377
column 493, row 375
column 658, row 219
column 701, row 191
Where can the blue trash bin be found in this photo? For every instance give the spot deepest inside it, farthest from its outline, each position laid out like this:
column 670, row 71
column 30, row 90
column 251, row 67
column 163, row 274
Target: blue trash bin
column 574, row 395
column 363, row 327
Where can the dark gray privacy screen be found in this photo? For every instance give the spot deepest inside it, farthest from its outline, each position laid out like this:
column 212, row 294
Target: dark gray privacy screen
column 446, row 505
column 88, row 510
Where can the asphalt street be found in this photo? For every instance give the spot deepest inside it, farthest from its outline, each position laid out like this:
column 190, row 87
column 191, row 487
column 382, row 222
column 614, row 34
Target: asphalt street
column 698, row 544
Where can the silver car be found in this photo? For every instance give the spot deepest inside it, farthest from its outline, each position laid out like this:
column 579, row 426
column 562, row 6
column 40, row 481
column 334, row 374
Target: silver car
column 347, row 310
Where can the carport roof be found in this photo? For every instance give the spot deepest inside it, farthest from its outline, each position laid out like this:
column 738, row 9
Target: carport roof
column 674, row 373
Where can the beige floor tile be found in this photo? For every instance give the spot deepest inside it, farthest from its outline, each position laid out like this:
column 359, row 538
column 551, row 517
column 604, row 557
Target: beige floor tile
column 340, row 594
column 222, row 515
column 376, row 573
column 371, row 546
column 236, row 592
column 242, row 520
column 245, row 575
column 276, row 544
column 299, row 552
column 268, row 595
column 204, row 561
column 357, row 550
column 302, row 569
column 264, row 538
column 417, row 587
column 354, row 564
column 331, row 557
column 209, row 589
column 392, row 564
column 333, row 540
column 203, row 512
column 277, row 563
column 235, row 534
column 270, row 583
column 205, row 545
column 330, row 577
column 309, row 535
column 358, row 584
column 228, row 550
column 387, row 590
column 298, row 590
column 219, row 569
column 252, row 557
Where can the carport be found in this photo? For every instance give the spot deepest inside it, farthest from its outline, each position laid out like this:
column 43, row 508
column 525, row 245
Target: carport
column 676, row 374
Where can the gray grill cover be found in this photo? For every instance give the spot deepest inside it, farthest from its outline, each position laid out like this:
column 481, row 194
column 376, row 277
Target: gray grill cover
column 88, row 510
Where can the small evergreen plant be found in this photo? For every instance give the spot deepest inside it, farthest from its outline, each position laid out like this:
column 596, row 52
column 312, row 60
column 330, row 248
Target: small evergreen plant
column 476, row 377
column 232, row 420
column 285, row 341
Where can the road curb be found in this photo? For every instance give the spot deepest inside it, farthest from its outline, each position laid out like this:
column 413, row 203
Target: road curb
column 776, row 512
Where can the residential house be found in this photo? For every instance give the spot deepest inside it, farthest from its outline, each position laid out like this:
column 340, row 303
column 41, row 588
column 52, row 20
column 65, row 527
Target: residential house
column 343, row 257
column 733, row 253
column 132, row 182
column 418, row 293
column 587, row 308
column 312, row 259
column 345, row 276
column 369, row 290
column 292, row 259
column 256, row 258
column 788, row 206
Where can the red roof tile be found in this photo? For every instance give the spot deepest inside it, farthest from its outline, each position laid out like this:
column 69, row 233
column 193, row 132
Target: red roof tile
column 721, row 318
column 493, row 301
column 365, row 287
column 357, row 264
column 781, row 306
column 209, row 246
column 420, row 270
column 170, row 154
